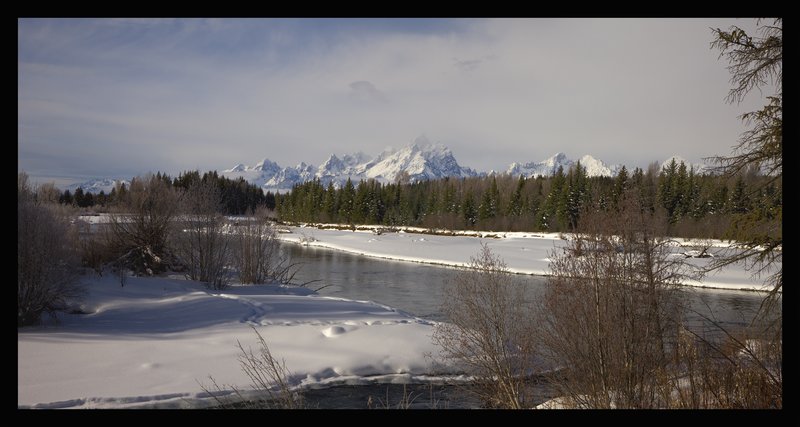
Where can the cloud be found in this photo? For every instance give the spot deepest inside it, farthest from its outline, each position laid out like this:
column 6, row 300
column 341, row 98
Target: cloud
column 364, row 91
column 467, row 64
column 198, row 94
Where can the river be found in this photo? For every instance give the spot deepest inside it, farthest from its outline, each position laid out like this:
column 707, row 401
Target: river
column 418, row 290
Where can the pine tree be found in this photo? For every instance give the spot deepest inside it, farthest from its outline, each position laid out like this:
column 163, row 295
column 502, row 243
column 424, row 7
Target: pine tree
column 66, row 198
column 361, row 203
column 101, row 198
column 667, row 189
column 620, row 187
column 88, row 200
column 329, row 204
column 554, row 201
column 515, row 204
column 488, row 207
column 574, row 197
column 756, row 61
column 468, row 210
column 449, row 204
column 346, row 202
column 740, row 201
column 78, row 198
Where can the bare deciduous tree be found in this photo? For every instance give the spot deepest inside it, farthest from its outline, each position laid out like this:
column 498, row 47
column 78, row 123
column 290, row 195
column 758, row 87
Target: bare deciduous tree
column 141, row 226
column 257, row 254
column 742, row 370
column 255, row 249
column 200, row 243
column 756, row 62
column 46, row 258
column 611, row 312
column 489, row 332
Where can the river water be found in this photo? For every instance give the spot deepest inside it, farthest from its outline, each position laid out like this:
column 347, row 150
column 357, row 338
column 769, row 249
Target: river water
column 418, row 290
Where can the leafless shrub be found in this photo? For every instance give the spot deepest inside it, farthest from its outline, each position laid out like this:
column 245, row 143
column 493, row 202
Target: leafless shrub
column 743, row 370
column 255, row 249
column 257, row 254
column 140, row 226
column 611, row 311
column 406, row 400
column 95, row 251
column 489, row 332
column 200, row 243
column 269, row 379
column 612, row 316
column 46, row 258
column 48, row 193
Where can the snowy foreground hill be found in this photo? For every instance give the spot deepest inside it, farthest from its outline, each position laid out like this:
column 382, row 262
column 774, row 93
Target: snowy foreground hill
column 153, row 342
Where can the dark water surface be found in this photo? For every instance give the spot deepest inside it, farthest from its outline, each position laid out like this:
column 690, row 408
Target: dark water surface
column 418, row 289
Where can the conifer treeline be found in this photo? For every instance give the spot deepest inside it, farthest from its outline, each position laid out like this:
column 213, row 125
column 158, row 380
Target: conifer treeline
column 238, row 196
column 691, row 204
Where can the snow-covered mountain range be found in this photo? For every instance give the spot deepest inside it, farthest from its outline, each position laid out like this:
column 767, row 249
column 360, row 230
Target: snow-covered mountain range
column 698, row 167
column 97, row 185
column 550, row 166
column 418, row 161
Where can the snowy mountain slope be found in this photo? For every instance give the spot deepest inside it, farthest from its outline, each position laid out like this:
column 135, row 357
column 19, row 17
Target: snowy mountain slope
column 548, row 167
column 596, row 167
column 420, row 161
column 544, row 168
column 97, row 185
column 287, row 177
column 698, row 167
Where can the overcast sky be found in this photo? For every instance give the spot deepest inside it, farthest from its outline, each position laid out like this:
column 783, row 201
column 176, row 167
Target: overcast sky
column 119, row 97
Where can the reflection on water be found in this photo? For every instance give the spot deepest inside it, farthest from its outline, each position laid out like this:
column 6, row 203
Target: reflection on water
column 414, row 288
column 417, row 288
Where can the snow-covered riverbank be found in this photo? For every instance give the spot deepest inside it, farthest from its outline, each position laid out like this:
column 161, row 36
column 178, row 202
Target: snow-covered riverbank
column 524, row 253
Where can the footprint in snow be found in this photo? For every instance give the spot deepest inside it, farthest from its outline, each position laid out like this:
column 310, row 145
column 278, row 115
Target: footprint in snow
column 336, row 330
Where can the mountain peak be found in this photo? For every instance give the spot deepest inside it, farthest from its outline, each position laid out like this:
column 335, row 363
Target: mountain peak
column 267, row 165
column 421, row 141
column 420, row 160
column 548, row 167
column 97, row 185
column 698, row 167
column 238, row 168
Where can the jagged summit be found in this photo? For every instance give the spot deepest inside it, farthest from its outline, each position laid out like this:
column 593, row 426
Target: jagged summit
column 549, row 167
column 418, row 161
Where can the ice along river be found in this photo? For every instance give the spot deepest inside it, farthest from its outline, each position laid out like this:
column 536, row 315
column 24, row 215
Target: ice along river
column 417, row 288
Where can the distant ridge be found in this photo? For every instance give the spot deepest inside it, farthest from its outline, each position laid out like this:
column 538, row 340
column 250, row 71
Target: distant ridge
column 419, row 161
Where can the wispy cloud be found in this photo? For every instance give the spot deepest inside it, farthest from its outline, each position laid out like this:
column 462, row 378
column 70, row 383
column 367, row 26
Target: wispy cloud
column 139, row 95
column 364, row 91
column 466, row 64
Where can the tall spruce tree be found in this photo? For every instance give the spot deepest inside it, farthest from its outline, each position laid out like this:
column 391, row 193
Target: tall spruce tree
column 756, row 62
